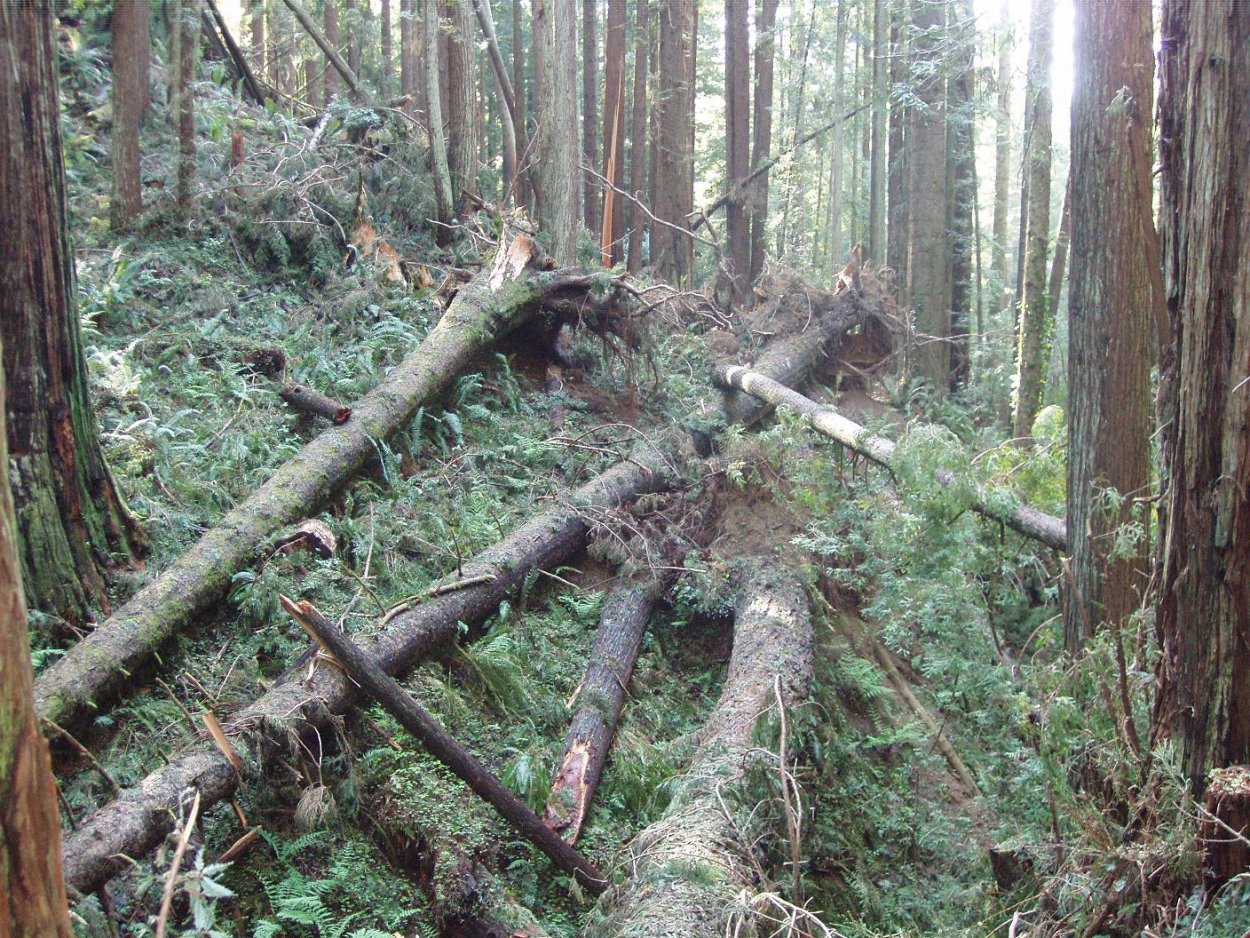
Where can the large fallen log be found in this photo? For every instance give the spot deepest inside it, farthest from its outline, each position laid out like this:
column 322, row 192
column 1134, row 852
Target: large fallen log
column 492, row 304
column 689, row 867
column 442, row 745
column 600, row 697
column 137, row 821
column 1030, row 522
column 789, row 360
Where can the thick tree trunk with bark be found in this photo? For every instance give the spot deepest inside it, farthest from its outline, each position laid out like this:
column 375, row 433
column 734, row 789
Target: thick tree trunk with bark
column 70, row 517
column 485, row 309
column 672, row 251
column 188, row 59
column 878, row 133
column 600, row 697
column 735, row 291
column 521, row 119
column 460, row 76
column 555, row 24
column 139, row 819
column 762, row 120
column 130, row 52
column 1036, row 324
column 1002, row 148
column 614, row 118
column 897, row 174
column 388, row 60
column 590, row 114
column 639, row 151
column 688, row 868
column 1204, row 591
column 352, row 22
column 440, row 168
column 962, row 188
column 256, row 27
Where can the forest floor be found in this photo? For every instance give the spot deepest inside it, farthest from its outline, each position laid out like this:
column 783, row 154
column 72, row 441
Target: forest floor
column 192, row 330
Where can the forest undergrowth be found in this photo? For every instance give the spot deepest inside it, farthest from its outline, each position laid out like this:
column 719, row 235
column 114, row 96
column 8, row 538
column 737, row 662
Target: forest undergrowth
column 192, row 327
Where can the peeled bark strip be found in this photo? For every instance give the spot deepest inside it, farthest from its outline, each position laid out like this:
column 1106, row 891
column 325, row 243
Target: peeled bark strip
column 690, row 867
column 140, row 818
column 308, row 401
column 789, row 360
column 440, row 744
column 483, row 311
column 600, row 698
column 1030, row 522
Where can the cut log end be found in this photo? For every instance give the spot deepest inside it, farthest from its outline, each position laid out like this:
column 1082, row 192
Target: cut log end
column 1225, row 826
column 308, row 401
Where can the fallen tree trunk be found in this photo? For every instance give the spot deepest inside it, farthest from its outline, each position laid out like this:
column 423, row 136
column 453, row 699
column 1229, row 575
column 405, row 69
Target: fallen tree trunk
column 690, row 867
column 599, row 700
column 308, row 401
column 1049, row 530
column 487, row 308
column 789, row 360
column 138, row 820
column 468, row 768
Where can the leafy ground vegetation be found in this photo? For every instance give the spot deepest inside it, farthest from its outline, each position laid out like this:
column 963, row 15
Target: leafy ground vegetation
column 938, row 640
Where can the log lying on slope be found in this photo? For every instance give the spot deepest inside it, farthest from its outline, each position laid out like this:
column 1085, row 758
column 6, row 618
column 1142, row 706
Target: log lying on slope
column 487, row 308
column 599, row 700
column 689, row 867
column 1030, row 522
column 138, row 820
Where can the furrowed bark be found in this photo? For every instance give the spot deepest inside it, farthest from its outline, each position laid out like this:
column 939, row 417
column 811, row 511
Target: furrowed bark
column 488, row 307
column 692, row 865
column 1030, row 522
column 789, row 360
column 308, row 401
column 600, row 698
column 137, row 821
column 417, row 721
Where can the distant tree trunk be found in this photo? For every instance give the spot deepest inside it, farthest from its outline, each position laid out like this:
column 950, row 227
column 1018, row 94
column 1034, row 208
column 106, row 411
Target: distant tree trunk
column 35, row 276
column 256, row 22
column 352, row 19
column 590, row 112
column 1204, row 593
column 1059, row 262
column 672, row 251
column 838, row 149
column 188, row 57
column 1036, row 324
column 314, row 72
column 438, row 142
column 638, row 138
column 928, row 248
column 521, row 123
column 762, row 118
column 783, row 233
column 388, row 65
column 880, row 113
column 407, row 67
column 130, row 54
column 555, row 23
column 460, row 75
column 614, row 126
column 330, row 21
column 962, row 188
column 1109, row 311
column 70, row 517
column 505, row 99
column 738, row 152
column 282, row 52
column 1002, row 149
column 897, row 220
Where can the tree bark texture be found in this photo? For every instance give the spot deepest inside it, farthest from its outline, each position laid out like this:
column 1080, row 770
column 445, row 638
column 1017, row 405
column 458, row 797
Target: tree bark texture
column 70, row 516
column 460, row 77
column 256, row 25
column 440, row 168
column 1036, row 323
column 1022, row 519
column 738, row 153
column 614, row 118
column 521, row 118
column 188, row 59
column 928, row 241
column 1204, row 606
column 833, row 224
column 961, row 187
column 130, row 51
column 1108, row 206
column 101, row 662
column 672, row 251
column 591, row 197
column 352, row 27
column 877, row 147
column 762, row 120
column 555, row 23
column 139, row 819
column 600, row 698
column 388, row 56
column 1002, row 148
column 638, row 137
column 688, row 869
column 897, row 173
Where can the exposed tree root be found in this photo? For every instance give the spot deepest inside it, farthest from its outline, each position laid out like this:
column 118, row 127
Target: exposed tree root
column 688, row 871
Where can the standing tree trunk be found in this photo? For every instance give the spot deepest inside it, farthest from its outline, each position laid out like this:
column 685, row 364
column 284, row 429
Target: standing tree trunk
column 1204, row 604
column 188, row 57
column 505, row 99
column 762, row 117
column 407, row 54
column 738, row 153
column 524, row 156
column 388, row 65
column 928, row 243
column 352, row 26
column 70, row 517
column 638, row 149
column 461, row 89
column 1109, row 310
column 590, row 112
column 614, row 129
column 256, row 23
column 130, row 55
column 330, row 20
column 963, row 191
column 897, row 176
column 440, row 169
column 1036, row 323
column 672, row 251
column 877, row 145
column 555, row 23
column 35, row 279
column 1002, row 150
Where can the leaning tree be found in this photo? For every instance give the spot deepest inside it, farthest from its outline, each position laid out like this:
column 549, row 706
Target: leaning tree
column 71, row 522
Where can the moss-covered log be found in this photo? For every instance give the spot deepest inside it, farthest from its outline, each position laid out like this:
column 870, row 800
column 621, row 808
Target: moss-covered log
column 689, row 868
column 1030, row 522
column 599, row 700
column 488, row 307
column 141, row 817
